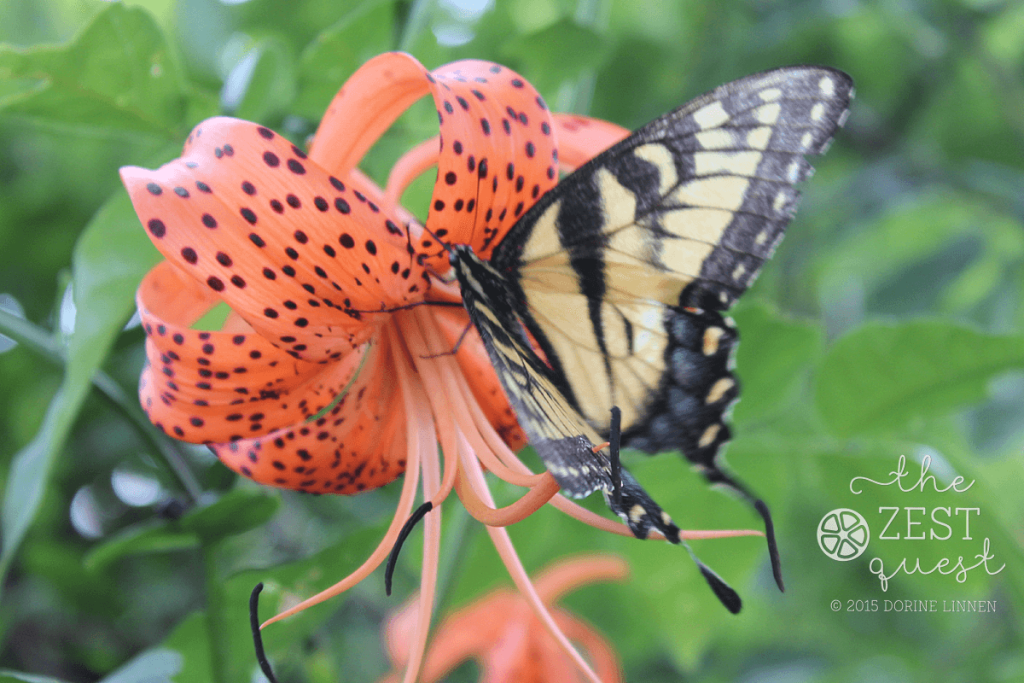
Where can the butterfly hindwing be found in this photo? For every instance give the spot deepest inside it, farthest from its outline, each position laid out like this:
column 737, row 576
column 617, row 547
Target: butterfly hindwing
column 559, row 434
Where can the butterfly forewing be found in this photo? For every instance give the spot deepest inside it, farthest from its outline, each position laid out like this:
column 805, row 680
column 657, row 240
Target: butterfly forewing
column 679, row 215
column 621, row 274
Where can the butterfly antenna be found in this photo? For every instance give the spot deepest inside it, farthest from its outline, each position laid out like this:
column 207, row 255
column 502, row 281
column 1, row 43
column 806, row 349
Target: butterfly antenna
column 414, row 518
column 257, row 637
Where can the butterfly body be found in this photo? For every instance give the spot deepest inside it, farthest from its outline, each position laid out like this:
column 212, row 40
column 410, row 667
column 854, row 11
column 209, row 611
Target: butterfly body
column 611, row 290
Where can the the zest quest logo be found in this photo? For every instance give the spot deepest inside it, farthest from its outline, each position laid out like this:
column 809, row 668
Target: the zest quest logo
column 909, row 523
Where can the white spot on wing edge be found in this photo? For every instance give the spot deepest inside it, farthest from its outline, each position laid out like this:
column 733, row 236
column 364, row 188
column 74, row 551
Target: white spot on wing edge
column 758, row 137
column 711, row 115
column 770, row 94
column 636, row 513
column 768, row 114
column 711, row 337
column 818, row 111
column 708, row 437
column 827, row 86
column 719, row 388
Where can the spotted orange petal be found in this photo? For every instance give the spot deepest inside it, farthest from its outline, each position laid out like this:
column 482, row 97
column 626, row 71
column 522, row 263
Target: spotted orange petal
column 296, row 252
column 357, row 445
column 498, row 152
column 497, row 145
column 581, row 138
column 215, row 386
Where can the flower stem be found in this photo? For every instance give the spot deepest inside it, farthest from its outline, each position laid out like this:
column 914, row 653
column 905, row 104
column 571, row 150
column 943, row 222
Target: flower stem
column 38, row 340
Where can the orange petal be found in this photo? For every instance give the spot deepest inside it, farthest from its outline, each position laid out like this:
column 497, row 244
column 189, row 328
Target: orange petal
column 357, row 445
column 366, row 106
column 215, row 386
column 581, row 138
column 566, row 576
column 498, row 154
column 293, row 250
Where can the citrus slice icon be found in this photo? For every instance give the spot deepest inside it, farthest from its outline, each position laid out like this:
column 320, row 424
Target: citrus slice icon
column 843, row 534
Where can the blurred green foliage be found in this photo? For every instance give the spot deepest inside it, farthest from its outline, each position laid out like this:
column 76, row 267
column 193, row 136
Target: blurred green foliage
column 889, row 322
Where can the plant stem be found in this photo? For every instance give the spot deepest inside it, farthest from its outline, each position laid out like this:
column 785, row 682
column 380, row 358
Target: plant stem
column 38, row 340
column 215, row 605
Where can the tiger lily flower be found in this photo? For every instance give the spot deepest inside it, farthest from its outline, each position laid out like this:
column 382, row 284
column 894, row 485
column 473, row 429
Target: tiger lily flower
column 501, row 632
column 334, row 371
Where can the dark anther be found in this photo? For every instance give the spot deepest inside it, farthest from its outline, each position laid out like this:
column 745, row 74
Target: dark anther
column 413, row 520
column 257, row 638
column 614, row 438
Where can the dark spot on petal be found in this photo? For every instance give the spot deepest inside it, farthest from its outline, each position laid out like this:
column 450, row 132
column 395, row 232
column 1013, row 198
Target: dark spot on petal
column 157, row 227
column 271, row 160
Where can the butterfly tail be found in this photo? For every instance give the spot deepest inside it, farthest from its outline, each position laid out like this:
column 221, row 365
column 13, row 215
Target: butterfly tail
column 639, row 511
column 716, row 476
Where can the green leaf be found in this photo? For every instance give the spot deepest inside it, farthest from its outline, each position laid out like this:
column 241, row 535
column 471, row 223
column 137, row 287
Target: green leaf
column 153, row 666
column 337, row 52
column 269, row 85
column 880, row 377
column 562, row 51
column 8, row 676
column 150, row 537
column 110, row 258
column 119, row 75
column 286, row 585
column 773, row 356
column 191, row 640
column 236, row 511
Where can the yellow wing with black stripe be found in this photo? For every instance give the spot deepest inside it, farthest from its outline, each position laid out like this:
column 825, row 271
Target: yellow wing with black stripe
column 622, row 272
